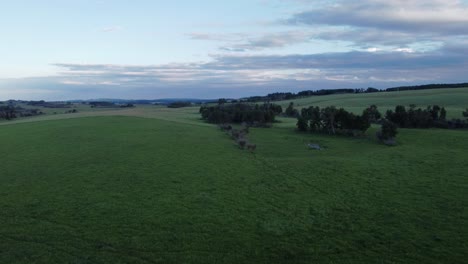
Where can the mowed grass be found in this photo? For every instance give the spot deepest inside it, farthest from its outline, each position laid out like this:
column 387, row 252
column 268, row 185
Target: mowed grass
column 454, row 100
column 144, row 190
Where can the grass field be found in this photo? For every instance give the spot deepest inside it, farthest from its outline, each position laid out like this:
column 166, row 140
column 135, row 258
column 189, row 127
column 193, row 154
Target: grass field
column 157, row 185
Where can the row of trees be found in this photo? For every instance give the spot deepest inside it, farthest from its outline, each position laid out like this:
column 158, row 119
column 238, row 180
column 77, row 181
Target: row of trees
column 341, row 122
column 332, row 120
column 240, row 113
column 179, row 104
column 307, row 93
column 427, row 87
column 432, row 116
column 9, row 112
column 45, row 104
column 338, row 121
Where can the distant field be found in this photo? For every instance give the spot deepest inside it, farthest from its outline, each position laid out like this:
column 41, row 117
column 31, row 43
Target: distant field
column 158, row 185
column 455, row 100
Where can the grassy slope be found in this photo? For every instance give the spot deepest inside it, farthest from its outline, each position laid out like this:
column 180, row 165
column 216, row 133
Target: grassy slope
column 455, row 100
column 135, row 190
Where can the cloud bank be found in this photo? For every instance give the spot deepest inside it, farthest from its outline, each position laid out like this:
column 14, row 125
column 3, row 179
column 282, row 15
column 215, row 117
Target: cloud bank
column 389, row 43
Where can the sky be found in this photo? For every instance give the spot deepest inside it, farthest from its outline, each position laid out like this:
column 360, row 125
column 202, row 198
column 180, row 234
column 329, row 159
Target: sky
column 149, row 49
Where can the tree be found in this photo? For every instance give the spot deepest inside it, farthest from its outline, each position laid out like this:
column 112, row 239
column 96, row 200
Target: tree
column 434, row 111
column 290, row 111
column 401, row 117
column 443, row 113
column 388, row 132
column 372, row 90
column 312, row 115
column 389, row 129
column 222, row 101
column 328, row 115
column 302, row 124
column 372, row 114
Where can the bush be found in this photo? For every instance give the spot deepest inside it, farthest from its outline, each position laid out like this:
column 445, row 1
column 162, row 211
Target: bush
column 290, row 111
column 387, row 133
column 372, row 114
column 388, row 129
column 302, row 124
column 242, row 142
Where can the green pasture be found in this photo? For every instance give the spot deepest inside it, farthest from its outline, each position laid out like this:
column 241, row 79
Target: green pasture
column 158, row 185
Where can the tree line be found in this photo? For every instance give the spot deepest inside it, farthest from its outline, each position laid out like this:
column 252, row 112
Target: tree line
column 9, row 112
column 240, row 113
column 427, row 87
column 331, row 120
column 179, row 104
column 334, row 121
column 432, row 116
column 280, row 96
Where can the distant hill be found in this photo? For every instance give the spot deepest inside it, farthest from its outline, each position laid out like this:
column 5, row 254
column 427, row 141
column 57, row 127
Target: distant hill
column 164, row 101
column 280, row 96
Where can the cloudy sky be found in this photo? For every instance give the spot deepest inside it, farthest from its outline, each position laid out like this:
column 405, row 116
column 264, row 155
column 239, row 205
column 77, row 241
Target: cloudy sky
column 142, row 49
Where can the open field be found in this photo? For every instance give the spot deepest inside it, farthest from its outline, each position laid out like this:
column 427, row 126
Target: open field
column 157, row 185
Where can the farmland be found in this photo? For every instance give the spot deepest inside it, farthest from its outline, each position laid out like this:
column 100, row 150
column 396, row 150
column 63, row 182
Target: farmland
column 158, row 185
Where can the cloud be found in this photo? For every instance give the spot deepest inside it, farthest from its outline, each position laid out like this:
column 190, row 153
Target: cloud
column 374, row 59
column 395, row 24
column 217, row 36
column 443, row 17
column 388, row 24
column 248, row 75
column 111, row 29
column 272, row 40
column 363, row 37
column 239, row 42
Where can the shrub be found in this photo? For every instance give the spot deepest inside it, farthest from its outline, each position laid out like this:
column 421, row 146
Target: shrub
column 242, row 142
column 387, row 133
column 372, row 114
column 290, row 111
column 302, row 124
column 251, row 147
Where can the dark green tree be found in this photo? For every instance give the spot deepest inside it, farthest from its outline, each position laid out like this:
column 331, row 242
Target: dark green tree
column 388, row 132
column 222, row 101
column 302, row 123
column 389, row 129
column 443, row 114
column 328, row 115
column 290, row 111
column 372, row 114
